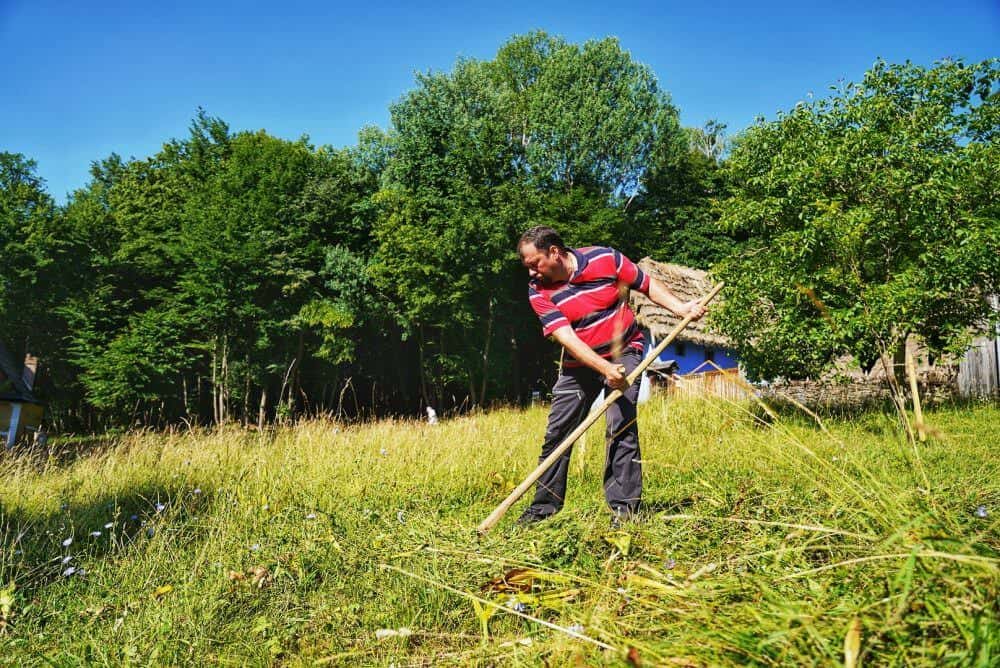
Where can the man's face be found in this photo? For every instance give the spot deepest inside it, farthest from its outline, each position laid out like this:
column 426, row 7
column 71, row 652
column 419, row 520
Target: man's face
column 545, row 265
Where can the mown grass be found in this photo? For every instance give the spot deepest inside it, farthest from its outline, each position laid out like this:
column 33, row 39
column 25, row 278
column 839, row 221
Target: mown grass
column 327, row 544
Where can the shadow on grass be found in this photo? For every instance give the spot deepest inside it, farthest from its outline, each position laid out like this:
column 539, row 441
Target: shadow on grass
column 658, row 506
column 63, row 451
column 39, row 549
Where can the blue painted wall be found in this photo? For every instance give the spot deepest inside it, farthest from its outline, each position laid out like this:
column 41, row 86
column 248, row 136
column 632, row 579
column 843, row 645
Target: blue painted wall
column 690, row 356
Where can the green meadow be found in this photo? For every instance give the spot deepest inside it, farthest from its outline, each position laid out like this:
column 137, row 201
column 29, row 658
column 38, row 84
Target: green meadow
column 765, row 542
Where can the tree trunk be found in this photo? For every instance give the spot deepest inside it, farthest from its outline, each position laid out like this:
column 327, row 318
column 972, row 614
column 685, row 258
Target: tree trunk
column 420, row 358
column 215, row 383
column 245, row 418
column 262, row 411
column 486, row 354
column 224, row 381
column 297, row 379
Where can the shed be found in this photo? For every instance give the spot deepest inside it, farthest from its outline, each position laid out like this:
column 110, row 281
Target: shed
column 698, row 361
column 696, row 348
column 20, row 410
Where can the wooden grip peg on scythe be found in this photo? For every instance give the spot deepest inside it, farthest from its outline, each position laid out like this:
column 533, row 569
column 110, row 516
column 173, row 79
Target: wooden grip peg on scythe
column 519, row 491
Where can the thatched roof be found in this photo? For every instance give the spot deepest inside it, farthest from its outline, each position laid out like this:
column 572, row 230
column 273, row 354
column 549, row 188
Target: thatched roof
column 687, row 284
column 12, row 387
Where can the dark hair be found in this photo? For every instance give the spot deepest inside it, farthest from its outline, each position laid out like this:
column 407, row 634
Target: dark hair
column 543, row 238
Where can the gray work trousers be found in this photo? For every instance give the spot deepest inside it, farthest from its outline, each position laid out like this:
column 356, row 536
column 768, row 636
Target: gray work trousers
column 572, row 396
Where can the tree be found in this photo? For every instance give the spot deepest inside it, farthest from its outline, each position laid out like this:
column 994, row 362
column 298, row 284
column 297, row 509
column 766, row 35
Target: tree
column 581, row 115
column 674, row 217
column 28, row 244
column 872, row 214
column 546, row 132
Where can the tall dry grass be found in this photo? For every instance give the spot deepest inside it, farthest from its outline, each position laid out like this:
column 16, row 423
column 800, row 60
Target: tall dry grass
column 770, row 542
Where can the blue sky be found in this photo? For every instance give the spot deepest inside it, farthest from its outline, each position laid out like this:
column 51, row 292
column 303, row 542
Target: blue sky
column 84, row 79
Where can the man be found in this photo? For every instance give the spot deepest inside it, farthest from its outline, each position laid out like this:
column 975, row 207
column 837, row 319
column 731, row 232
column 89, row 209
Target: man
column 575, row 293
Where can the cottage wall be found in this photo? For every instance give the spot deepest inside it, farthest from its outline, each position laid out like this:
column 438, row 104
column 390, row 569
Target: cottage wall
column 30, row 417
column 691, row 356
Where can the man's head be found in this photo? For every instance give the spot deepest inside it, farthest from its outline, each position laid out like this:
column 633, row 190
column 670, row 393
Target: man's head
column 544, row 254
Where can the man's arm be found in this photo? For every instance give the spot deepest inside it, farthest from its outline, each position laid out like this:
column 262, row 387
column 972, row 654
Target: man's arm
column 613, row 374
column 661, row 295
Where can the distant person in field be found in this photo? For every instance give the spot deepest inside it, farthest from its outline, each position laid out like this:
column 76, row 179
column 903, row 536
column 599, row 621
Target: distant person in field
column 577, row 295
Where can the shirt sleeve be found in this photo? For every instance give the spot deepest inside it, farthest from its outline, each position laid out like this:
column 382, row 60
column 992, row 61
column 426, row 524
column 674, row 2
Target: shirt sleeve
column 629, row 272
column 548, row 313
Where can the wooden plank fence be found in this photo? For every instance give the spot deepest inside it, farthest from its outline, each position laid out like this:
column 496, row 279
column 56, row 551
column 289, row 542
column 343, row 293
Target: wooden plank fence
column 710, row 382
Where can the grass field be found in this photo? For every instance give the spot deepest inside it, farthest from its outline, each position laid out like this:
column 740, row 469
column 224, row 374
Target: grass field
column 324, row 544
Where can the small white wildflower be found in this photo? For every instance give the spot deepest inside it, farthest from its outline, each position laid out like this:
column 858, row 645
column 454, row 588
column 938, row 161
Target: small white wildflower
column 399, row 516
column 670, row 563
column 69, row 571
column 255, row 547
column 981, row 512
column 160, row 507
column 68, row 558
column 516, row 605
column 383, row 452
column 95, row 534
column 311, row 516
column 109, row 525
column 67, row 542
column 402, row 632
column 197, row 491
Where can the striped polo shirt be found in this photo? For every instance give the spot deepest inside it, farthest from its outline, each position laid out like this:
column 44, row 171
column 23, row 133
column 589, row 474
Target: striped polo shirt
column 589, row 303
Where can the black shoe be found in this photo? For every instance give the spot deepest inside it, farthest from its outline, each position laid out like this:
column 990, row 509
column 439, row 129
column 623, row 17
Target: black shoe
column 529, row 517
column 620, row 518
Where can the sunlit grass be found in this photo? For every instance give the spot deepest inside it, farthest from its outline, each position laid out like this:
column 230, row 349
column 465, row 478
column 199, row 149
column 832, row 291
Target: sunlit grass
column 347, row 545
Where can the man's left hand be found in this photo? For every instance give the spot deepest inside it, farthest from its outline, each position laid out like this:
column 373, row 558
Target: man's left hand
column 694, row 309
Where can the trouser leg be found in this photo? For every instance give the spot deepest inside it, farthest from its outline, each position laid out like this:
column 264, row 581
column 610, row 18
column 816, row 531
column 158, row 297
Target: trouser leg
column 572, row 396
column 622, row 467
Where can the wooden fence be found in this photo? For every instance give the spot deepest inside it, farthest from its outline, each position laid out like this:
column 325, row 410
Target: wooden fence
column 710, row 382
column 979, row 369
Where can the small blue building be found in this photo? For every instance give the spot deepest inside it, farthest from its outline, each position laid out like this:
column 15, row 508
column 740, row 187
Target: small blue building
column 20, row 412
column 695, row 351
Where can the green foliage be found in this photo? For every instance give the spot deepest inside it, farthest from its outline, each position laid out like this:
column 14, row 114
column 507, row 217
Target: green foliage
column 29, row 243
column 232, row 273
column 140, row 365
column 872, row 214
column 582, row 115
column 674, row 217
column 546, row 132
column 340, row 308
column 211, row 263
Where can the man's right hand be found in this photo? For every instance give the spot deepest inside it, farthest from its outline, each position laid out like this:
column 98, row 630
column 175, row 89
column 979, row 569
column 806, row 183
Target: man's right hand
column 614, row 376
